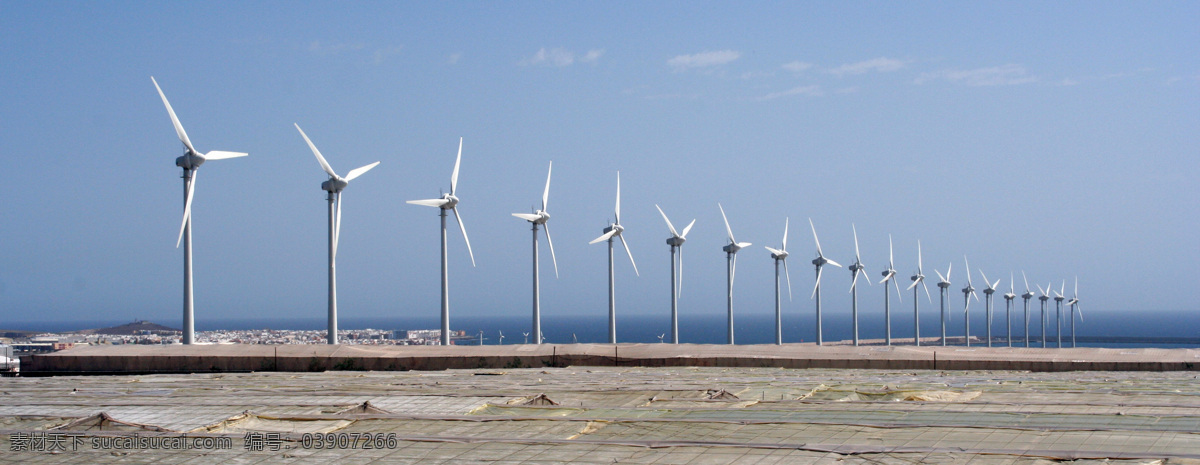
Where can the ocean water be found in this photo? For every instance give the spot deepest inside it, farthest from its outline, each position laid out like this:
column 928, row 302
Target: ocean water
column 798, row 326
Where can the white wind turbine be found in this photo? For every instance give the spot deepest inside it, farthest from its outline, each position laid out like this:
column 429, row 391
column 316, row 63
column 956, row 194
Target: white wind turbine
column 448, row 202
column 1044, row 297
column 190, row 161
column 987, row 297
column 968, row 292
column 540, row 217
column 1026, row 296
column 780, row 255
column 1058, row 304
column 918, row 278
column 676, row 242
column 614, row 230
column 888, row 275
column 731, row 250
column 944, row 287
column 333, row 186
column 1074, row 303
column 1008, row 302
column 856, row 268
column 819, row 262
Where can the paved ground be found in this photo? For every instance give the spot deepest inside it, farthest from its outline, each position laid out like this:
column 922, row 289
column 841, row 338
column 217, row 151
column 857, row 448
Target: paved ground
column 676, row 415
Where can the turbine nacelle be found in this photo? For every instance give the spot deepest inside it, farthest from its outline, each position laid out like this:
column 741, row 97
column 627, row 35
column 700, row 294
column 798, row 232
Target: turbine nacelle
column 856, row 267
column 733, row 247
column 887, row 274
column 944, row 284
column 451, row 202
column 190, row 160
column 1027, row 295
column 989, row 291
column 1010, row 296
column 676, row 241
column 778, row 254
column 334, row 185
column 821, row 261
column 969, row 289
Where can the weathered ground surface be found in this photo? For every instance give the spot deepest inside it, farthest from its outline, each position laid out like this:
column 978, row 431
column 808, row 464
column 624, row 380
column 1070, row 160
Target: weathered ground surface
column 607, row 415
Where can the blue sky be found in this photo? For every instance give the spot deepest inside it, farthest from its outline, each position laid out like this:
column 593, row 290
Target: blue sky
column 1057, row 138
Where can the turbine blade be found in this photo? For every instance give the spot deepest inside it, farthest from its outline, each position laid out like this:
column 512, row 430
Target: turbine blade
column 785, row 231
column 174, row 120
column 627, row 252
column 854, row 282
column 324, row 164
column 686, row 229
column 337, row 225
column 1011, row 283
column 788, row 275
column 773, row 251
column 743, row 245
column 733, row 272
column 464, row 232
column 727, row 229
column 603, row 237
column 976, row 296
column 968, row 272
column 943, row 278
column 818, row 241
column 899, row 295
column 669, row 225
column 817, row 285
column 891, row 257
column 997, row 283
column 866, row 277
column 857, row 257
column 551, row 242
column 919, row 268
column 1026, row 280
column 221, row 155
column 429, row 202
column 679, row 277
column 948, row 270
column 1080, row 308
column 546, row 192
column 526, row 216
column 454, row 174
column 985, row 278
column 831, row 262
column 187, row 207
column 1077, row 287
column 354, row 173
column 617, row 210
column 927, row 296
column 910, row 286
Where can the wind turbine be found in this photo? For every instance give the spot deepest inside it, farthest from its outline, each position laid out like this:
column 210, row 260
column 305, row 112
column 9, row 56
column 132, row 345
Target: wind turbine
column 968, row 292
column 448, row 202
column 918, row 278
column 819, row 262
column 1044, row 297
column 190, row 161
column 540, row 217
column 1058, row 301
column 333, row 186
column 780, row 255
column 888, row 275
column 944, row 287
column 614, row 230
column 731, row 250
column 676, row 242
column 1008, row 301
column 854, row 271
column 1026, row 296
column 501, row 339
column 991, row 289
column 1074, row 303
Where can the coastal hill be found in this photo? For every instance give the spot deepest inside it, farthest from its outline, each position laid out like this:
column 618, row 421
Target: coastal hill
column 129, row 329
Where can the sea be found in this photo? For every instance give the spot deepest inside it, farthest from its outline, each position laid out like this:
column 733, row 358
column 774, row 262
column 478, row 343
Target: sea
column 1164, row 329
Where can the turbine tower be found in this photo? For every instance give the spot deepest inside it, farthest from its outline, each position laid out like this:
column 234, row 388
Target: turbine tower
column 991, row 289
column 819, row 262
column 190, row 161
column 855, row 269
column 944, row 287
column 888, row 275
column 448, row 202
column 780, row 255
column 1058, row 303
column 1008, row 302
column 1044, row 297
column 333, row 186
column 968, row 292
column 540, row 217
column 1026, row 296
column 731, row 250
column 1074, row 303
column 918, row 278
column 676, row 242
column 614, row 230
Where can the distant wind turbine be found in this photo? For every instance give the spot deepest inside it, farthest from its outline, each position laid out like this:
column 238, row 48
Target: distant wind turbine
column 540, row 217
column 856, row 268
column 190, row 161
column 333, row 186
column 991, row 289
column 943, row 288
column 780, row 255
column 918, row 278
column 889, row 275
column 819, row 262
column 731, row 250
column 614, row 230
column 1058, row 304
column 1074, row 303
column 1044, row 297
column 968, row 292
column 1026, row 296
column 1008, row 303
column 448, row 202
column 676, row 242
